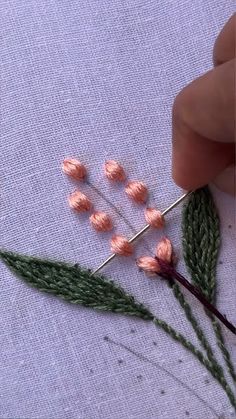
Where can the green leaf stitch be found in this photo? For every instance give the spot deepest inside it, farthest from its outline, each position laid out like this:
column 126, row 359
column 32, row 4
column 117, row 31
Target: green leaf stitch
column 201, row 243
column 74, row 284
column 201, row 240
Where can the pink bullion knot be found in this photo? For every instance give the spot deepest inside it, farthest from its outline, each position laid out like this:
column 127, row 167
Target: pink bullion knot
column 121, row 246
column 74, row 168
column 79, row 202
column 101, row 221
column 114, row 171
column 148, row 265
column 137, row 191
column 154, row 217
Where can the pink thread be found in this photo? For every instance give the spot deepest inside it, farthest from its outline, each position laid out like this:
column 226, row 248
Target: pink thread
column 79, row 202
column 148, row 265
column 74, row 168
column 101, row 221
column 114, row 171
column 151, row 265
column 164, row 250
column 121, row 246
column 154, row 217
column 137, row 191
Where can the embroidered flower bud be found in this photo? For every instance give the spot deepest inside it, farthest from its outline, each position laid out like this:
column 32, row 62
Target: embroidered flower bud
column 79, row 202
column 137, row 191
column 114, row 171
column 164, row 250
column 121, row 246
column 74, row 168
column 154, row 217
column 101, row 221
column 148, row 265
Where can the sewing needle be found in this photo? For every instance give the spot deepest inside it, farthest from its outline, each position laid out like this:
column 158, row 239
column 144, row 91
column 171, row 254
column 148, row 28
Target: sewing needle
column 142, row 231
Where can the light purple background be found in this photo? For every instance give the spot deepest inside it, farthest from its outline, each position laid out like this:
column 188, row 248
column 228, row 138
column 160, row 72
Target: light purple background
column 96, row 79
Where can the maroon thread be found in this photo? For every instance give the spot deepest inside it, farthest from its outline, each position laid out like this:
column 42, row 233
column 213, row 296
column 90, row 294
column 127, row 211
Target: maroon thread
column 167, row 271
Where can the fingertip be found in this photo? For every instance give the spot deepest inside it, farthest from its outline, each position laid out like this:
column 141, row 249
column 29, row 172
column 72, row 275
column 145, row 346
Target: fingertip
column 184, row 176
column 224, row 48
column 225, row 181
column 196, row 161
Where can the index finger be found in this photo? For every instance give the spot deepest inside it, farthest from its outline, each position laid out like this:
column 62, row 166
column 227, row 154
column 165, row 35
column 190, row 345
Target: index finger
column 203, row 128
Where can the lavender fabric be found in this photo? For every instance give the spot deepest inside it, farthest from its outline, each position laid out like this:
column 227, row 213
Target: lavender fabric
column 96, row 79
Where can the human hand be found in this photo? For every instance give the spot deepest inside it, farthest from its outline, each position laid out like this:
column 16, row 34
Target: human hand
column 204, row 122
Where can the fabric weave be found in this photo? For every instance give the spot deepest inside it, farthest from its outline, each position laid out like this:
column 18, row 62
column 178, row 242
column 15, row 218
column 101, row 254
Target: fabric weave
column 96, row 79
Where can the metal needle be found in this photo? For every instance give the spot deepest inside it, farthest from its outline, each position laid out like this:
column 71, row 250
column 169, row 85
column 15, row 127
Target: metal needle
column 143, row 230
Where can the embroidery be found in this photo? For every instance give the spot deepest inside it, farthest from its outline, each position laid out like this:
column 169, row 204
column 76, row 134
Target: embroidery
column 101, row 221
column 137, row 191
column 80, row 286
column 201, row 242
column 114, row 171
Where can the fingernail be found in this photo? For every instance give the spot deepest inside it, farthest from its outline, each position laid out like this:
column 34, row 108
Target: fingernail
column 226, row 180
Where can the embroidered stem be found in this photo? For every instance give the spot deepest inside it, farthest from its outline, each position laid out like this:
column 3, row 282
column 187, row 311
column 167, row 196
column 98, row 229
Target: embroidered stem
column 221, row 344
column 201, row 242
column 212, row 364
column 199, row 355
column 198, row 330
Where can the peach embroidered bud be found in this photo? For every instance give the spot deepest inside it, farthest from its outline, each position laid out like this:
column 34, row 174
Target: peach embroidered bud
column 164, row 250
column 154, row 217
column 121, row 246
column 101, row 221
column 74, row 168
column 137, row 191
column 148, row 265
column 114, row 171
column 79, row 202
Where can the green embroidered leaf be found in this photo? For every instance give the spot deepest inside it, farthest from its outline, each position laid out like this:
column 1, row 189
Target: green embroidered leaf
column 74, row 284
column 201, row 240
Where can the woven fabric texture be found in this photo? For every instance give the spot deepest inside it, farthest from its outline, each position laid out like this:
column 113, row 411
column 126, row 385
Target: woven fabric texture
column 96, row 79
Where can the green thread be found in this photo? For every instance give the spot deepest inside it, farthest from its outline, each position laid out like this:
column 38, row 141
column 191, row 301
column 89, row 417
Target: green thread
column 201, row 242
column 213, row 366
column 79, row 286
column 221, row 344
column 75, row 285
column 196, row 327
column 199, row 355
